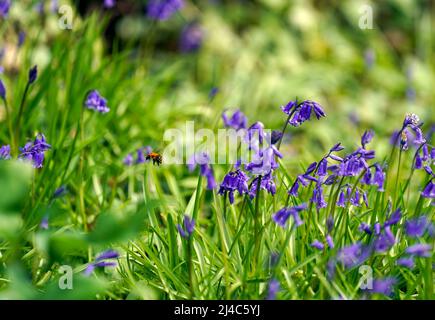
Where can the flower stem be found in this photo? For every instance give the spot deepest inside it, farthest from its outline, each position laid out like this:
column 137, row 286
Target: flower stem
column 18, row 121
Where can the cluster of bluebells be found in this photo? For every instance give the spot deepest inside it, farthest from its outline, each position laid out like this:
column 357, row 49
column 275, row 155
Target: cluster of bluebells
column 34, row 152
column 105, row 259
column 300, row 112
column 263, row 150
column 141, row 154
column 95, row 101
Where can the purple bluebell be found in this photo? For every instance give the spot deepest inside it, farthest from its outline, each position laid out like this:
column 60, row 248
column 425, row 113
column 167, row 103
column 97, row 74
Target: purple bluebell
column 318, row 198
column 384, row 286
column 367, row 137
column 21, row 38
column 318, row 245
column 128, row 160
column 264, row 161
column 109, row 4
column 337, row 147
column 355, row 199
column 394, row 218
column 44, row 223
column 95, row 101
column 108, row 254
column 341, row 202
column 187, row 228
column 281, row 217
column 369, row 58
column 103, row 260
column 273, row 289
column 54, row 7
column 329, row 223
column 191, row 37
column 35, row 152
column 322, row 168
column 267, row 183
column 234, row 180
column 163, row 9
column 418, row 164
column 416, row 227
column 275, row 136
column 4, row 8
column 330, row 241
column 255, row 135
column 379, row 177
column 2, row 90
column 365, row 227
column 60, row 192
column 303, row 111
column 365, row 199
column 384, row 241
column 353, row 255
column 33, row 74
column 429, row 190
column 420, row 250
column 407, row 262
column 5, row 152
column 377, row 228
column 140, row 156
column 237, row 121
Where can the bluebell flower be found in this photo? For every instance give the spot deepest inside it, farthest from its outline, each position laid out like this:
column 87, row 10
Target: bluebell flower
column 429, row 190
column 353, row 255
column 103, row 260
column 187, row 228
column 273, row 289
column 416, row 227
column 235, row 180
column 163, row 9
column 191, row 37
column 109, row 4
column 95, row 101
column 21, row 38
column 341, row 201
column 283, row 215
column 60, row 192
column 5, row 152
column 4, row 8
column 365, row 227
column 128, row 160
column 303, row 111
column 384, row 286
column 384, row 241
column 237, row 121
column 264, row 161
column 394, row 218
column 419, row 250
column 407, row 262
column 330, row 241
column 377, row 228
column 44, row 223
column 317, row 244
column 33, row 74
column 367, row 137
column 35, row 152
column 318, row 199
column 2, row 90
column 275, row 136
column 267, row 183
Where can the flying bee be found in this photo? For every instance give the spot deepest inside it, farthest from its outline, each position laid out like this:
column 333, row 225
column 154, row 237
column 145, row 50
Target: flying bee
column 156, row 157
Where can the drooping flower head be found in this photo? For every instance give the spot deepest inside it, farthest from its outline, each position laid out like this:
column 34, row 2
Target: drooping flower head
column 95, row 101
column 237, row 121
column 281, row 217
column 35, row 152
column 301, row 112
column 163, row 9
column 384, row 286
column 416, row 227
column 128, row 160
column 419, row 250
column 234, row 180
column 188, row 227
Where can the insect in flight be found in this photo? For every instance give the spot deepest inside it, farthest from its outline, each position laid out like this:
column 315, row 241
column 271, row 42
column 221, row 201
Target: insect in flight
column 156, row 157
